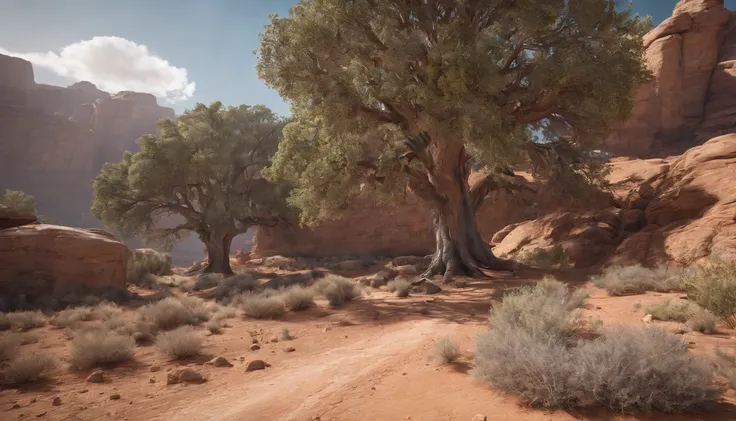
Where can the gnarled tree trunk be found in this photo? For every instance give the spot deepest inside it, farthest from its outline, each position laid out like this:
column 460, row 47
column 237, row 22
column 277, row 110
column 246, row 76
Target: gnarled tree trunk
column 218, row 252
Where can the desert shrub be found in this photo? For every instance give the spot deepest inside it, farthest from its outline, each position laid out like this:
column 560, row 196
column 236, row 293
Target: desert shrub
column 546, row 258
column 234, row 285
column 31, row 368
column 671, row 310
column 636, row 279
column 24, row 320
column 259, row 306
column 635, row 368
column 400, row 287
column 9, row 344
column 713, row 287
column 702, row 321
column 206, row 281
column 725, row 366
column 547, row 309
column 214, row 326
column 223, row 312
column 446, row 351
column 297, row 298
column 529, row 352
column 182, row 342
column 172, row 312
column 141, row 329
column 71, row 318
column 286, row 335
column 100, row 347
column 151, row 262
column 337, row 289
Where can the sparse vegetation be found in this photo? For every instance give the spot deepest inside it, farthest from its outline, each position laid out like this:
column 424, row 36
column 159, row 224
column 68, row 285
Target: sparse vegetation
column 206, row 281
column 31, row 368
column 725, row 363
column 150, row 262
column 446, row 351
column 71, row 318
column 713, row 287
column 9, row 344
column 259, row 306
column 702, row 321
column 234, row 285
column 671, row 310
column 531, row 352
column 337, row 290
column 173, row 312
column 636, row 279
column 554, row 257
column 214, row 327
column 400, row 287
column 22, row 320
column 297, row 298
column 18, row 201
column 100, row 347
column 286, row 335
column 182, row 342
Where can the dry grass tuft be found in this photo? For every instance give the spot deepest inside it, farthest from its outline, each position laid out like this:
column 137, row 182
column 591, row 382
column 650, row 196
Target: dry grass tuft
column 142, row 264
column 337, row 289
column 672, row 310
column 636, row 279
column 446, row 351
column 9, row 345
column 173, row 312
column 31, row 368
column 263, row 306
column 400, row 287
column 713, row 287
column 555, row 257
column 297, row 298
column 22, row 320
column 100, row 347
column 182, row 342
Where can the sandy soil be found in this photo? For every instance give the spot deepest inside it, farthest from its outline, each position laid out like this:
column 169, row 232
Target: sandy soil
column 371, row 360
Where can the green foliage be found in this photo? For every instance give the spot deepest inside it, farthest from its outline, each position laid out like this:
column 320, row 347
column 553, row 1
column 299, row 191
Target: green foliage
column 18, row 201
column 205, row 168
column 555, row 257
column 502, row 82
column 636, row 279
column 148, row 262
column 713, row 287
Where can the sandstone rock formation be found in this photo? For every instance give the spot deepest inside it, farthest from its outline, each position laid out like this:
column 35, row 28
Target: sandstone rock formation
column 691, row 97
column 44, row 259
column 681, row 212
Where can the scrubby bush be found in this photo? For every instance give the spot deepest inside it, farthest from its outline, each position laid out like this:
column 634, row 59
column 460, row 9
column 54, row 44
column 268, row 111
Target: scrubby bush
column 530, row 352
column 446, row 351
column 139, row 328
column 9, row 344
column 702, row 321
column 150, row 262
column 297, row 298
column 400, row 287
column 214, row 326
column 71, row 318
column 234, row 285
column 725, row 364
column 554, row 257
column 286, row 335
column 259, row 306
column 100, row 347
column 337, row 290
column 23, row 320
column 713, row 287
column 172, row 312
column 671, row 310
column 30, row 368
column 635, row 368
column 636, row 279
column 182, row 342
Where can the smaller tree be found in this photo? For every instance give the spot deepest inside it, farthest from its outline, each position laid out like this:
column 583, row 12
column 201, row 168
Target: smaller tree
column 18, row 201
column 205, row 168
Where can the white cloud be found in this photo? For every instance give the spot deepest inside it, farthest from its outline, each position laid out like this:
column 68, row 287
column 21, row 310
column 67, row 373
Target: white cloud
column 115, row 64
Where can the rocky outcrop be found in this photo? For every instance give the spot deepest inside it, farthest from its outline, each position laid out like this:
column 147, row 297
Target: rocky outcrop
column 54, row 140
column 678, row 211
column 10, row 218
column 45, row 259
column 690, row 97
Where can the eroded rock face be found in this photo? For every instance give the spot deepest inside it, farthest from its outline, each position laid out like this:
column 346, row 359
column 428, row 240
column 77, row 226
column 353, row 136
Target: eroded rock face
column 690, row 98
column 62, row 257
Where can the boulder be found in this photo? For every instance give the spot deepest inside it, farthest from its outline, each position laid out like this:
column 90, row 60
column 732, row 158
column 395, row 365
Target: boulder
column 10, row 218
column 62, row 257
column 256, row 365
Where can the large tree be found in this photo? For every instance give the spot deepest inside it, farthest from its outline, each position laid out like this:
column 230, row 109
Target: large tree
column 204, row 167
column 390, row 94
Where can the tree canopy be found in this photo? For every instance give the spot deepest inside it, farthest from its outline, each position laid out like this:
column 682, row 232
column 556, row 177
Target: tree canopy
column 205, row 169
column 393, row 94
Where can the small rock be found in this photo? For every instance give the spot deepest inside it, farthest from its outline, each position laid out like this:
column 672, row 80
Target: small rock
column 40, row 415
column 327, row 329
column 255, row 340
column 187, row 375
column 56, row 401
column 647, row 319
column 15, row 406
column 428, row 288
column 139, row 337
column 171, row 379
column 254, row 347
column 256, row 365
column 151, row 380
column 154, row 368
column 219, row 362
column 460, row 284
column 479, row 417
column 407, row 270
column 97, row 376
column 115, row 396
column 290, row 349
column 83, row 391
column 33, row 400
column 274, row 339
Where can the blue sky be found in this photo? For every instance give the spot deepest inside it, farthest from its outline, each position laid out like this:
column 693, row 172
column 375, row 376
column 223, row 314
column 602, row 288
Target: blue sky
column 208, row 44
